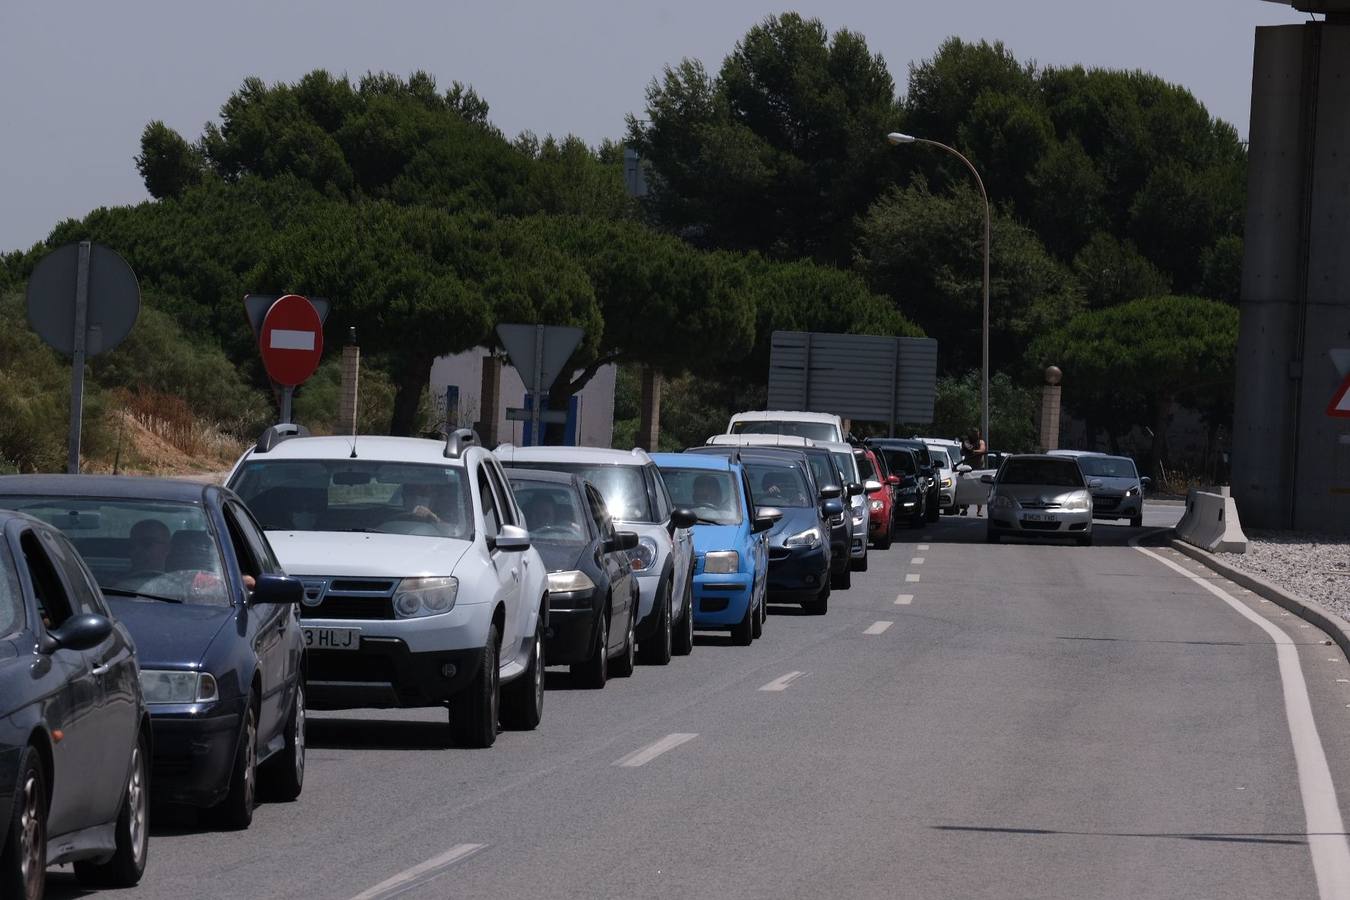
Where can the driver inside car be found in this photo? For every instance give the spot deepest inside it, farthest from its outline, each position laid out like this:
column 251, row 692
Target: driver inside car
column 148, row 550
column 707, row 492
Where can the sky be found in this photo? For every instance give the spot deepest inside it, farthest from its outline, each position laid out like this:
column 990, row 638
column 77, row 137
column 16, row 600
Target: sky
column 80, row 80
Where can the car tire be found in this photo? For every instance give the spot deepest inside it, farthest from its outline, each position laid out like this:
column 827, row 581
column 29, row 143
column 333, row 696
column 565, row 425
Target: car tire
column 1085, row 540
column 683, row 644
column 859, row 565
column 743, row 632
column 934, row 509
column 625, row 662
column 473, row 712
column 25, row 837
column 282, row 778
column 131, row 833
column 820, row 605
column 236, row 810
column 991, row 536
column 757, row 627
column 594, row 672
column 1137, row 521
column 883, row 543
column 844, row 580
column 523, row 699
column 656, row 650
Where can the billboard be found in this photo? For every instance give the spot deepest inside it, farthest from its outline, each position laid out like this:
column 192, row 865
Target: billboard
column 863, row 377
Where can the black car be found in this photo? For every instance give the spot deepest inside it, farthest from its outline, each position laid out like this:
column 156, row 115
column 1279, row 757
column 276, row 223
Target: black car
column 927, row 475
column 74, row 732
column 592, row 592
column 800, row 544
column 912, row 500
column 188, row 571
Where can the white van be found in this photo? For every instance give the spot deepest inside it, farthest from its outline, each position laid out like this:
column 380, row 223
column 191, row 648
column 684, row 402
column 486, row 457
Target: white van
column 816, row 426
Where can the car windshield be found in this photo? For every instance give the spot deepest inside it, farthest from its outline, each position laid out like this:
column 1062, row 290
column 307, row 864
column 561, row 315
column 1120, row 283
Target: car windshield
column 161, row 550
column 357, row 495
column 816, row 431
column 865, row 469
column 712, row 496
column 901, row 461
column 11, row 599
column 822, row 466
column 844, row 460
column 552, row 511
column 623, row 487
column 1047, row 472
column 781, row 485
column 1108, row 467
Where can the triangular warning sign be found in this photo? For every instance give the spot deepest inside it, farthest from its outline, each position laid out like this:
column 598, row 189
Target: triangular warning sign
column 1340, row 404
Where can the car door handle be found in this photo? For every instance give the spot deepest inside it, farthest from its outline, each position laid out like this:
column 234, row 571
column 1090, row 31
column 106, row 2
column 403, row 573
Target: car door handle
column 102, row 669
column 515, row 574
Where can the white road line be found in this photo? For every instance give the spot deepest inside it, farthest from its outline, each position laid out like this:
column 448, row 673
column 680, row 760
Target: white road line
column 652, row 751
column 922, row 547
column 878, row 627
column 911, row 577
column 1326, row 830
column 916, row 561
column 782, row 681
column 420, row 873
column 904, row 600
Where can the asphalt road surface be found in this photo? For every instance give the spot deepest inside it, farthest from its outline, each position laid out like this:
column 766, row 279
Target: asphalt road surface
column 1007, row 721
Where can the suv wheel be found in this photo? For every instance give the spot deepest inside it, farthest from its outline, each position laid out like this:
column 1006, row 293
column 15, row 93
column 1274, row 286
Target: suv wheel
column 132, row 831
column 473, row 713
column 625, row 662
column 23, row 862
column 594, row 672
column 656, row 650
column 523, row 699
column 844, row 580
column 684, row 631
column 283, row 776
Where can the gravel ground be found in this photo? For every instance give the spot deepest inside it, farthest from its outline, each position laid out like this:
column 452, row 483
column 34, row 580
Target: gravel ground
column 1316, row 567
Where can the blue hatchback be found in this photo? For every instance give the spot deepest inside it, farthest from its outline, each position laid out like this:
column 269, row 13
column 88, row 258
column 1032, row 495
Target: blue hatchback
column 731, row 565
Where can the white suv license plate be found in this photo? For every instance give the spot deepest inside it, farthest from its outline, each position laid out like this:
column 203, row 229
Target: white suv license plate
column 332, row 638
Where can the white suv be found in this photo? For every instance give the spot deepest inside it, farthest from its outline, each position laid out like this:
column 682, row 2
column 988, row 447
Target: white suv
column 421, row 587
column 816, row 426
column 664, row 558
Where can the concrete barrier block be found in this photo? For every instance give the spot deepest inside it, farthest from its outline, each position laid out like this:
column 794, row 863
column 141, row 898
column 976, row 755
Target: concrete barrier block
column 1211, row 523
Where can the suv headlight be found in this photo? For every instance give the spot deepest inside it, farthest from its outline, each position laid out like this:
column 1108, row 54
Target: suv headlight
column 165, row 686
column 722, row 562
column 808, row 539
column 425, row 596
column 1002, row 501
column 643, row 556
column 1077, row 503
column 569, row 581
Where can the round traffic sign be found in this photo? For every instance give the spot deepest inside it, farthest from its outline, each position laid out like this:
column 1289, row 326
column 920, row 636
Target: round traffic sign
column 112, row 305
column 291, row 340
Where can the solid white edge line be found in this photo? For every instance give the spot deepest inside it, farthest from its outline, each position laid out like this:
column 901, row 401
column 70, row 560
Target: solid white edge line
column 1325, row 827
column 644, row 755
column 389, row 886
column 878, row 627
column 904, row 600
column 782, row 681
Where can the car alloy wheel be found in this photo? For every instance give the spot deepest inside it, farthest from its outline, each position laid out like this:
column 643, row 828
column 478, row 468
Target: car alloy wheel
column 300, row 732
column 33, row 835
column 138, row 804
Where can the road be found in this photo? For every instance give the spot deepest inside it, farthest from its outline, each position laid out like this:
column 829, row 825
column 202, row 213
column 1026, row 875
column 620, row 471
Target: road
column 968, row 721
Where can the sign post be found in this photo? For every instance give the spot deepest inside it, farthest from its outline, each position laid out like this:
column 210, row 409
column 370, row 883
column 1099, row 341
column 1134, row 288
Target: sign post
column 538, row 353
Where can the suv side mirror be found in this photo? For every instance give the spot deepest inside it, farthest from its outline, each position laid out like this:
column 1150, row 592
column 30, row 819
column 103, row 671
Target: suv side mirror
column 277, row 589
column 682, row 518
column 963, row 469
column 854, row 489
column 830, row 492
column 511, row 539
column 765, row 518
column 621, row 542
column 77, row 633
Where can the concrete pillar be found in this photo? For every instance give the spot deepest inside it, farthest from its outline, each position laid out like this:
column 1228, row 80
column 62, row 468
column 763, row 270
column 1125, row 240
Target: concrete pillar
column 1291, row 462
column 489, row 401
column 649, row 424
column 1050, row 407
column 351, row 379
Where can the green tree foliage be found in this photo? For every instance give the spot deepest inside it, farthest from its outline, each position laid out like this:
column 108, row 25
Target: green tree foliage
column 168, row 164
column 1013, row 411
column 1113, row 271
column 777, row 153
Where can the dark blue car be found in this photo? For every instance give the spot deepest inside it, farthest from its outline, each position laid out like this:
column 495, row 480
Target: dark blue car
column 189, row 572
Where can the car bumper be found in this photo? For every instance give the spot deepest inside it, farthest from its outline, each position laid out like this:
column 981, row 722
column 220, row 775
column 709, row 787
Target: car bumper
column 947, row 497
column 857, row 547
column 571, row 634
column 462, row 628
column 720, row 601
column 799, row 573
column 648, row 614
column 907, row 507
column 387, row 673
column 1125, row 508
column 1048, row 524
column 193, row 755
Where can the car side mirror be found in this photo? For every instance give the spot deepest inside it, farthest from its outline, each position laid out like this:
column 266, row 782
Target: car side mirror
column 765, row 518
column 1095, row 483
column 621, row 542
column 280, row 589
column 832, row 507
column 682, row 518
column 873, row 486
column 83, row 632
column 511, row 539
column 910, row 481
column 1146, row 481
column 830, row 492
column 892, row 479
column 986, row 479
column 963, row 469
column 854, row 489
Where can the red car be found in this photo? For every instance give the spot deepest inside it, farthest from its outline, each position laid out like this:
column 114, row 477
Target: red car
column 880, row 501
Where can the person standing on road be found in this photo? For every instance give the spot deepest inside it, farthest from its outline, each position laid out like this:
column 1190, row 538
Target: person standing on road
column 973, row 450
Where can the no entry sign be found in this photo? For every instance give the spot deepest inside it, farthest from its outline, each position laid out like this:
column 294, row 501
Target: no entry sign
column 291, row 340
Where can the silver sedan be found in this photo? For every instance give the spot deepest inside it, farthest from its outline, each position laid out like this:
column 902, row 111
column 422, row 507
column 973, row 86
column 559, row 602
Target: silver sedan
column 1039, row 496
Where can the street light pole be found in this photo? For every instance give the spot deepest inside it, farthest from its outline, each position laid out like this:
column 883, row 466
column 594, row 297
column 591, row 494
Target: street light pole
column 898, row 138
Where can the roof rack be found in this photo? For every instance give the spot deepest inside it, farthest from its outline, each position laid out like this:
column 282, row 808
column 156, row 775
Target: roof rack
column 278, row 433
column 460, row 440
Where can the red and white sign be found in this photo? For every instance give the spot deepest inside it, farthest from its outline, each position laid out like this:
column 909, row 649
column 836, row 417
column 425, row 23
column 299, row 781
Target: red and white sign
column 1340, row 404
column 291, row 340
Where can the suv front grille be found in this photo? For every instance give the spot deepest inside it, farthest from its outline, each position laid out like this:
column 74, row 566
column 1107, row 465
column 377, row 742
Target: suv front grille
column 348, row 598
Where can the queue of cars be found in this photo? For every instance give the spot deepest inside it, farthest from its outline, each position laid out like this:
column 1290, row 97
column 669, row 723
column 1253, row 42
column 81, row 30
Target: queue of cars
column 164, row 639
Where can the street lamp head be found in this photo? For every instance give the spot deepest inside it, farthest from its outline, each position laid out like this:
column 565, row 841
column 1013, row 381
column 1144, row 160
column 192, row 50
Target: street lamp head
column 896, row 137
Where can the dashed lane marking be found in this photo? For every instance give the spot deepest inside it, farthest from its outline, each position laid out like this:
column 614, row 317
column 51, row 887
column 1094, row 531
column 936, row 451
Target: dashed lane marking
column 419, row 874
column 916, row 561
column 923, row 547
column 650, row 752
column 912, row 577
column 878, row 627
column 782, row 681
column 904, row 600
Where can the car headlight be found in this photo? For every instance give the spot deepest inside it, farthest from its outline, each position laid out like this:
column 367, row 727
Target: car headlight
column 425, row 596
column 1002, row 501
column 946, row 482
column 569, row 581
column 722, row 562
column 1077, row 503
column 643, row 556
column 808, row 539
column 876, row 505
column 164, row 686
column 1132, row 492
column 858, row 516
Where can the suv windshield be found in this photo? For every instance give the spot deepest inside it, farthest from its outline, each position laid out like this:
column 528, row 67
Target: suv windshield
column 1108, row 467
column 157, row 548
column 1049, row 472
column 778, row 485
column 816, row 431
column 552, row 511
column 712, row 496
column 357, row 495
column 623, row 487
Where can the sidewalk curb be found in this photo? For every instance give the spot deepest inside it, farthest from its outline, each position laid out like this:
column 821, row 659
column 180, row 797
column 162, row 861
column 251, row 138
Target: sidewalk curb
column 1336, row 628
